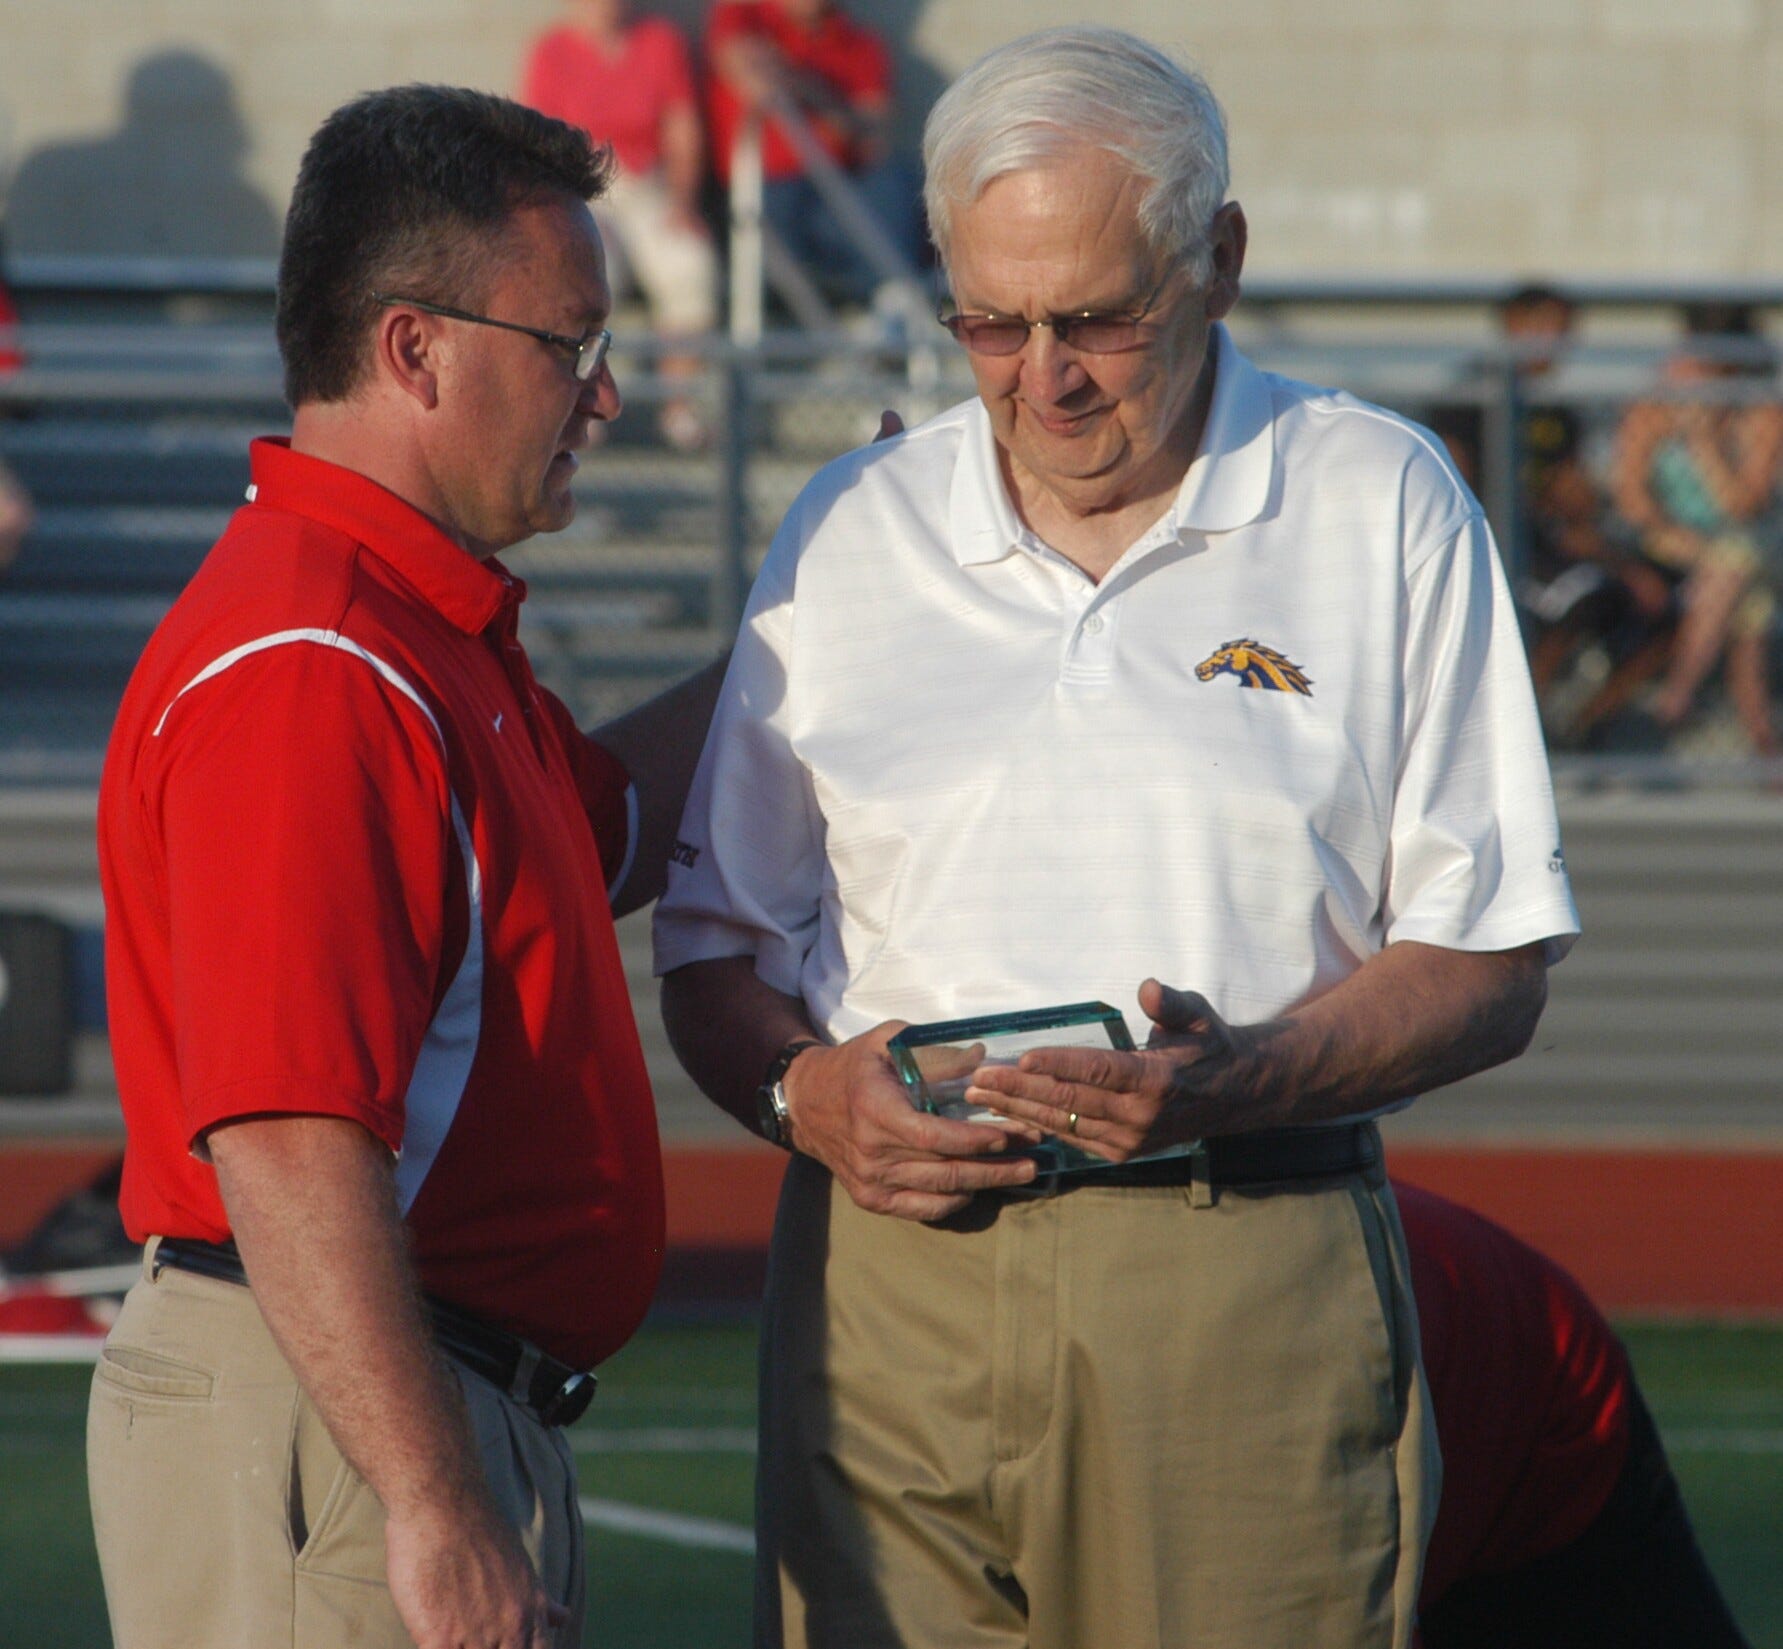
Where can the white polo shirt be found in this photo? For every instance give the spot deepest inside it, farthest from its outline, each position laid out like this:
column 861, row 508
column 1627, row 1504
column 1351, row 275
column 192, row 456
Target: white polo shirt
column 950, row 775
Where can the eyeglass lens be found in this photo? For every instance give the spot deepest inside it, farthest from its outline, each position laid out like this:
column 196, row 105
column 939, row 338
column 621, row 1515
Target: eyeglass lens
column 591, row 354
column 1094, row 334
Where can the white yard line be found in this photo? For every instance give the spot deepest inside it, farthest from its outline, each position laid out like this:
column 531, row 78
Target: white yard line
column 705, row 1533
column 1713, row 1440
column 50, row 1348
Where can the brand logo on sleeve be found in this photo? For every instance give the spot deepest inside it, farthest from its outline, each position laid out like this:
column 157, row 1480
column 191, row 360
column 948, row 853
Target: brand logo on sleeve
column 1255, row 666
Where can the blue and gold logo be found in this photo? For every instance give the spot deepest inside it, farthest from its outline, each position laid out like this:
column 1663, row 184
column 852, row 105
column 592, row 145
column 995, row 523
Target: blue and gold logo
column 1255, row 666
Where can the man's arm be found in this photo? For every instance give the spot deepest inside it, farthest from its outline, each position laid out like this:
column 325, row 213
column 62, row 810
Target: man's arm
column 312, row 1203
column 845, row 1104
column 659, row 744
column 1412, row 1018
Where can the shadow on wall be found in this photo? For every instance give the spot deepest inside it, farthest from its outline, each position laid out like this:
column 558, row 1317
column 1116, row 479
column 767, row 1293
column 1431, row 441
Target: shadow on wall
column 167, row 183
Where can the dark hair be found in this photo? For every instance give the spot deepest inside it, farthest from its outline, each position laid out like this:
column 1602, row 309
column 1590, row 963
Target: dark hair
column 409, row 190
column 1536, row 295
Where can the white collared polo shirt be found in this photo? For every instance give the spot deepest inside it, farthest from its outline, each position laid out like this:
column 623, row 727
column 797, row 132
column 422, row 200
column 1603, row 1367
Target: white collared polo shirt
column 949, row 774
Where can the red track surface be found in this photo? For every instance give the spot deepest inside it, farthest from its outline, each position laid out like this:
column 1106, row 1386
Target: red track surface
column 1670, row 1231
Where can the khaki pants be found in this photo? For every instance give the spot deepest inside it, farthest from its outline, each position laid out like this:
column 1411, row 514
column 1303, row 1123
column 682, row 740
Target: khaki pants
column 225, row 1516
column 1111, row 1419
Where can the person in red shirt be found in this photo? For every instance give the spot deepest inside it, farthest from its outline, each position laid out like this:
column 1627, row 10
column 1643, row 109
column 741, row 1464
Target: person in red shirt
column 628, row 82
column 837, row 73
column 1560, row 1525
column 15, row 502
column 391, row 1148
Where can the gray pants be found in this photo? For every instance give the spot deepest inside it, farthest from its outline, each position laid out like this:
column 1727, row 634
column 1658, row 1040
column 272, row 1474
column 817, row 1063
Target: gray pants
column 224, row 1514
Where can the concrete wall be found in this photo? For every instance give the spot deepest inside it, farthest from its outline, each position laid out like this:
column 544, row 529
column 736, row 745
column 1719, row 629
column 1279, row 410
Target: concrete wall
column 1572, row 137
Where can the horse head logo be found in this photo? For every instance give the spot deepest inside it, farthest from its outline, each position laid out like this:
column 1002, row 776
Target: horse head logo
column 1255, row 666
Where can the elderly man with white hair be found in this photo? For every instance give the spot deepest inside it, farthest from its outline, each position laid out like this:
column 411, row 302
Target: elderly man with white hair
column 1142, row 666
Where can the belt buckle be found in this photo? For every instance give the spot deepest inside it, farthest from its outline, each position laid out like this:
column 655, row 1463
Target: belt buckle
column 568, row 1402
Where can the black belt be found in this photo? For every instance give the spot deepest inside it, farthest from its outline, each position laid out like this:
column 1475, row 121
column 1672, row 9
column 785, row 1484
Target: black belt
column 554, row 1391
column 1233, row 1162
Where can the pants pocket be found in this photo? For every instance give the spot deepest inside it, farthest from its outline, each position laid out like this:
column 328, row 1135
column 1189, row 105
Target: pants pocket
column 148, row 1374
column 336, row 1522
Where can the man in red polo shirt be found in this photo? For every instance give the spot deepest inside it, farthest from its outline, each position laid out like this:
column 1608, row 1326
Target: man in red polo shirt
column 838, row 74
column 391, row 1147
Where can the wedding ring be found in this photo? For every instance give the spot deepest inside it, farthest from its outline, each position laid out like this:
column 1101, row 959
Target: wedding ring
column 1071, row 1123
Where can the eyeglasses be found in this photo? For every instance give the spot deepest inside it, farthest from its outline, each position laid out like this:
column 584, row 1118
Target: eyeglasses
column 1094, row 331
column 588, row 353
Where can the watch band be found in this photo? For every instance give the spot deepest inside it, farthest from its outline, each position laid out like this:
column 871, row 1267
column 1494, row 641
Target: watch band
column 770, row 1098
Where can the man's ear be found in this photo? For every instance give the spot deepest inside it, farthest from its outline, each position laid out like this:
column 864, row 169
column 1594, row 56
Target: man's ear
column 1227, row 240
column 407, row 353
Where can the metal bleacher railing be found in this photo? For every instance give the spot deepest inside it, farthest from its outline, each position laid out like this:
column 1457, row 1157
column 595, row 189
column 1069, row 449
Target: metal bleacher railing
column 129, row 423
column 130, row 420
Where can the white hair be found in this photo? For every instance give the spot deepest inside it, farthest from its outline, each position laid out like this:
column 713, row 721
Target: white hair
column 1035, row 100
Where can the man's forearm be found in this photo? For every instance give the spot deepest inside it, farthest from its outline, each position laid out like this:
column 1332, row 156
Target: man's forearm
column 725, row 1025
column 660, row 744
column 313, row 1209
column 312, row 1203
column 1413, row 1018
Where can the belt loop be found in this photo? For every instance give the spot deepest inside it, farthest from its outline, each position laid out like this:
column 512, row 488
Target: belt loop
column 1202, row 1193
column 520, row 1387
column 151, row 1265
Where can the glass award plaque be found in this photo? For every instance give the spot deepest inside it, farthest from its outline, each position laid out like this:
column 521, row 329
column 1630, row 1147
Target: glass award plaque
column 936, row 1061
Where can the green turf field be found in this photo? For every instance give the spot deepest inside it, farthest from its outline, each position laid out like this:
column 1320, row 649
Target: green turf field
column 666, row 1458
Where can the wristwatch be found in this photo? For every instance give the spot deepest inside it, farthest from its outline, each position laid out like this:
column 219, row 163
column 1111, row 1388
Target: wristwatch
column 771, row 1114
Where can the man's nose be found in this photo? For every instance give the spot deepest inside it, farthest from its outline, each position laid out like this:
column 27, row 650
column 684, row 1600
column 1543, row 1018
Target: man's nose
column 600, row 397
column 1050, row 366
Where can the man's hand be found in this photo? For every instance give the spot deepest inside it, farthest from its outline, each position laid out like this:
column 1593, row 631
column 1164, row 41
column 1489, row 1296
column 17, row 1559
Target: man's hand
column 462, row 1578
column 1118, row 1105
column 848, row 1109
column 1413, row 1017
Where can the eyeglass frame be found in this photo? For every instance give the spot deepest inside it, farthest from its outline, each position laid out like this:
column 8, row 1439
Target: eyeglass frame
column 595, row 343
column 1059, row 324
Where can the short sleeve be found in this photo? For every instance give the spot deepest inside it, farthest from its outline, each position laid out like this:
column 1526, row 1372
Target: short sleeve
column 746, row 874
column 1475, row 857
column 305, row 817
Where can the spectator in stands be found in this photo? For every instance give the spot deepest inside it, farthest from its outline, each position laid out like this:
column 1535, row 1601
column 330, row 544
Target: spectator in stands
column 1561, row 1525
column 628, row 82
column 810, row 57
column 15, row 502
column 11, row 357
column 1582, row 586
column 15, row 516
column 1694, row 474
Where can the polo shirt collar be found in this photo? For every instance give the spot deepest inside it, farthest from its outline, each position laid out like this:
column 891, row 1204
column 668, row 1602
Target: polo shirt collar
column 1226, row 486
column 467, row 592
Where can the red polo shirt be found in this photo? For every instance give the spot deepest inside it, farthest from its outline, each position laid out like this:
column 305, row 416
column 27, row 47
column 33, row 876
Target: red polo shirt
column 851, row 58
column 352, row 857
